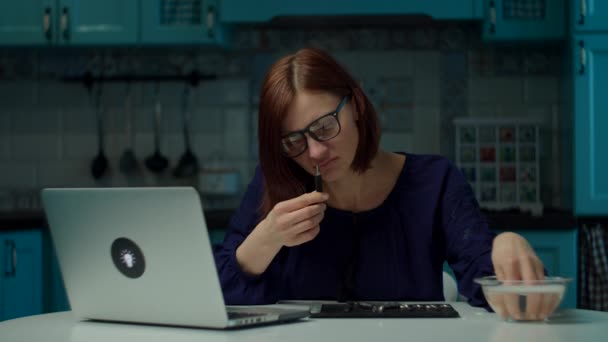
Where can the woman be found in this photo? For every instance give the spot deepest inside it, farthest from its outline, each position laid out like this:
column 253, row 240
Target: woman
column 384, row 223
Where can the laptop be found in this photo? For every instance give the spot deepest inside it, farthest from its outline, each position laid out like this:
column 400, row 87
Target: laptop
column 143, row 255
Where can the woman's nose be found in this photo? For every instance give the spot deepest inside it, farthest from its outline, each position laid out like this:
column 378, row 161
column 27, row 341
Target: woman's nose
column 316, row 149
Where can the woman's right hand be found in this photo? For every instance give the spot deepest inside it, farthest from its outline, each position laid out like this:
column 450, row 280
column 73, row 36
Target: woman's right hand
column 289, row 223
column 295, row 221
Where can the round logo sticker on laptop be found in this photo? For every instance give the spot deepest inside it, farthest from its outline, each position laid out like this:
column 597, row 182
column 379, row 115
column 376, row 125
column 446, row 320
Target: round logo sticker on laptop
column 128, row 258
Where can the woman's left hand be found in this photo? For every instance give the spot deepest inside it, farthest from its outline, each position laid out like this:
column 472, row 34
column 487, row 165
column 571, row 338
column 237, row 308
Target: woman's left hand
column 514, row 259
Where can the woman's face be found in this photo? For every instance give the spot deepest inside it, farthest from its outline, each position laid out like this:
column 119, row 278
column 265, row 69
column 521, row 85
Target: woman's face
column 335, row 155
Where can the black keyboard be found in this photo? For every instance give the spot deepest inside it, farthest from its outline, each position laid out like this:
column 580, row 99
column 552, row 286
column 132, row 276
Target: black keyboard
column 383, row 310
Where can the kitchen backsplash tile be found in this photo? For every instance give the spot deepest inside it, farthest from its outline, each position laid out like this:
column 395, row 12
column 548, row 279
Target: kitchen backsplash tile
column 66, row 173
column 501, row 90
column 78, row 147
column 420, row 78
column 16, row 175
column 425, row 64
column 5, row 121
column 541, row 90
column 396, row 141
column 20, row 93
column 33, row 121
column 35, row 147
column 207, row 119
column 5, row 147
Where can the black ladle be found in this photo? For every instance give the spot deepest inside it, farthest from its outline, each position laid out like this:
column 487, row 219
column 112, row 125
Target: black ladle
column 188, row 163
column 128, row 162
column 100, row 162
column 157, row 163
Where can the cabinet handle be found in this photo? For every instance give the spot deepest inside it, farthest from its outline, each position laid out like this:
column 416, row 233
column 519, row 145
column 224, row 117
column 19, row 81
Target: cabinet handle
column 65, row 17
column 581, row 19
column 46, row 23
column 583, row 57
column 14, row 259
column 10, row 268
column 492, row 17
column 210, row 21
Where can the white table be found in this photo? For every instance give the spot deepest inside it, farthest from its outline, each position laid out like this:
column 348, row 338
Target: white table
column 474, row 325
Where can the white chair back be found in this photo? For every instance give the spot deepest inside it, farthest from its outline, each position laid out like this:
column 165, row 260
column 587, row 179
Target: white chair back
column 450, row 289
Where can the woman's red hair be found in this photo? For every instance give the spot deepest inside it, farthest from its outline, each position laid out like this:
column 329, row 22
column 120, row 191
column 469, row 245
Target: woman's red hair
column 313, row 70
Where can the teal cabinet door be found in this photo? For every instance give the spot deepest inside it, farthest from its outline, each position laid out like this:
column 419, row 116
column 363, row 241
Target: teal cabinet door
column 216, row 236
column 181, row 22
column 69, row 22
column 589, row 15
column 558, row 250
column 27, row 22
column 242, row 11
column 58, row 297
column 21, row 278
column 590, row 124
column 82, row 22
column 516, row 20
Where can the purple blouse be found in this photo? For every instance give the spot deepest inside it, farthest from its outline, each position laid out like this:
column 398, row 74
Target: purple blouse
column 395, row 251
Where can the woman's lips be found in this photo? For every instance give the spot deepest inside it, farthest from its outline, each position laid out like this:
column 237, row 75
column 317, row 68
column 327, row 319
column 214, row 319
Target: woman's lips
column 327, row 162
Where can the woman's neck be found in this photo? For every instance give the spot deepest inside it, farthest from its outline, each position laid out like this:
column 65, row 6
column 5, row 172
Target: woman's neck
column 358, row 191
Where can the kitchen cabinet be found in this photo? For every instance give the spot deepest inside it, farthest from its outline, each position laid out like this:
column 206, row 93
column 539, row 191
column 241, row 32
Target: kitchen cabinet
column 55, row 295
column 26, row 22
column 589, row 15
column 590, row 73
column 181, row 22
column 69, row 22
column 21, row 277
column 246, row 11
column 516, row 20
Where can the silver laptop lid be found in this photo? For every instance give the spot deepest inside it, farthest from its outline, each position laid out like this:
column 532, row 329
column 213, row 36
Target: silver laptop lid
column 136, row 255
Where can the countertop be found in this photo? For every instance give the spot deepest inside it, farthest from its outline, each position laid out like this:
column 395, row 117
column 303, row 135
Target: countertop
column 219, row 218
column 35, row 219
column 474, row 324
column 552, row 218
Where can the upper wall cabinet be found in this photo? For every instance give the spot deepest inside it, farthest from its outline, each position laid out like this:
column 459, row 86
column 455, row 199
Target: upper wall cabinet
column 181, row 22
column 517, row 20
column 589, row 15
column 67, row 22
column 26, row 22
column 247, row 11
column 590, row 57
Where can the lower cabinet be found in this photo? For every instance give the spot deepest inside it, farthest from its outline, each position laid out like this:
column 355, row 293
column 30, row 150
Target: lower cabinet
column 56, row 297
column 21, row 273
column 216, row 236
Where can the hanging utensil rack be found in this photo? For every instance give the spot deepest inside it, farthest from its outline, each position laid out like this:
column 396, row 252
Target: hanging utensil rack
column 88, row 79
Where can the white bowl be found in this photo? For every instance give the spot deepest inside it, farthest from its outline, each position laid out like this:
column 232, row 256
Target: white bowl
column 524, row 300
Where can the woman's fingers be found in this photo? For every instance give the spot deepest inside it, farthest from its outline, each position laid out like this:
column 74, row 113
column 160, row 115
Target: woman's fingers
column 307, row 235
column 306, row 224
column 302, row 214
column 300, row 202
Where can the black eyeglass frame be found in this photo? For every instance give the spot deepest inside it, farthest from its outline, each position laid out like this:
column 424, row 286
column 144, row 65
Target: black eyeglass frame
column 311, row 133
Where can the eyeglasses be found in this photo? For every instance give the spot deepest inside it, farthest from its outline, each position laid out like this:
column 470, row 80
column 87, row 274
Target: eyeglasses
column 324, row 128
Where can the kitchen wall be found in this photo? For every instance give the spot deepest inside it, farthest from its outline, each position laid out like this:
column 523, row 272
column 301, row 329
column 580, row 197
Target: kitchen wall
column 420, row 78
